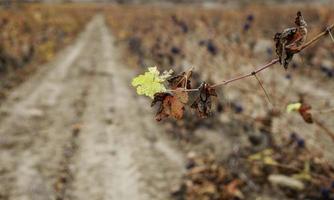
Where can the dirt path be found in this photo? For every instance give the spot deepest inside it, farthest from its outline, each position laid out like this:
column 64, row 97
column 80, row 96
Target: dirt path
column 76, row 130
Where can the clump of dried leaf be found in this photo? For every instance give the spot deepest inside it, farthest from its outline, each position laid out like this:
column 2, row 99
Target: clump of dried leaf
column 207, row 179
column 172, row 104
column 290, row 39
column 304, row 111
column 203, row 102
column 290, row 168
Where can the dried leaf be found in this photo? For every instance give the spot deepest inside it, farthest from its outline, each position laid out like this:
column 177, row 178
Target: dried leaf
column 164, row 108
column 177, row 108
column 208, row 188
column 202, row 103
column 179, row 81
column 232, row 189
column 303, row 109
column 288, row 41
column 181, row 95
column 170, row 104
column 304, row 112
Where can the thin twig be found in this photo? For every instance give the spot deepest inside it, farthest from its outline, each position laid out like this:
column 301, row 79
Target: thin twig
column 316, row 38
column 325, row 129
column 329, row 110
column 186, row 76
column 330, row 34
column 225, row 82
column 269, row 64
column 264, row 90
column 184, row 90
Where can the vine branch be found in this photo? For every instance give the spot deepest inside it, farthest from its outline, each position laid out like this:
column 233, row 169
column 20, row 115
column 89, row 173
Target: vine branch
column 269, row 64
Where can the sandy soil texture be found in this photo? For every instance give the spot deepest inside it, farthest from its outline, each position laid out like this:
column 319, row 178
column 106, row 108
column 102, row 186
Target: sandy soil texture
column 75, row 130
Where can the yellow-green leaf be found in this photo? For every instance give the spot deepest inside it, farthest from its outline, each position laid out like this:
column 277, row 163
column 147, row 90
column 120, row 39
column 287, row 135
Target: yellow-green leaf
column 293, row 107
column 305, row 174
column 264, row 156
column 151, row 82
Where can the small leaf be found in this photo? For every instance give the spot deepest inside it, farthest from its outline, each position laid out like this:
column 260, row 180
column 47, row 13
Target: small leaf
column 203, row 102
column 179, row 81
column 264, row 156
column 151, row 82
column 166, row 74
column 233, row 190
column 170, row 105
column 304, row 112
column 290, row 39
column 303, row 109
column 181, row 95
column 305, row 174
column 293, row 107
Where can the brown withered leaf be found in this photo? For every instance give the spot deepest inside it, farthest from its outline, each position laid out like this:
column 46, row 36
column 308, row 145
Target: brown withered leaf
column 179, row 80
column 171, row 104
column 304, row 112
column 290, row 39
column 159, row 97
column 232, row 189
column 181, row 95
column 203, row 102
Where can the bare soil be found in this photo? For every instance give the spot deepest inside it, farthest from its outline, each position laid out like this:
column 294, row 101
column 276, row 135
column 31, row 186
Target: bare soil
column 76, row 130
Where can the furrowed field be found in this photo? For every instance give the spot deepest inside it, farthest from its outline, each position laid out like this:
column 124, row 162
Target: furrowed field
column 73, row 127
column 32, row 35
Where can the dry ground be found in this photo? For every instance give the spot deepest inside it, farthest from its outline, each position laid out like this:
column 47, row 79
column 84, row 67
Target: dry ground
column 75, row 130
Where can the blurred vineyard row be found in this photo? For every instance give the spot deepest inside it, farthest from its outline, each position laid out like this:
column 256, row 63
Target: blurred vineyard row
column 222, row 43
column 32, row 34
column 168, row 36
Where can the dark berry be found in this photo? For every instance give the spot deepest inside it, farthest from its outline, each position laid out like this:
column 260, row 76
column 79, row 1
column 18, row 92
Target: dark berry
column 238, row 108
column 288, row 76
column 324, row 69
column 325, row 193
column 175, row 50
column 250, row 17
column 201, row 42
column 184, row 27
column 246, row 27
column 293, row 136
column 190, row 164
column 255, row 139
column 269, row 51
column 220, row 107
column 301, row 143
column 294, row 65
column 212, row 48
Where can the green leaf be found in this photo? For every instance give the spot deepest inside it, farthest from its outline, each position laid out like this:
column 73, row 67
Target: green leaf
column 264, row 156
column 305, row 175
column 293, row 107
column 151, row 82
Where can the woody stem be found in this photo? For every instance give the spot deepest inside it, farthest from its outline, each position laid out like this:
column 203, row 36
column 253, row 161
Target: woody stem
column 268, row 65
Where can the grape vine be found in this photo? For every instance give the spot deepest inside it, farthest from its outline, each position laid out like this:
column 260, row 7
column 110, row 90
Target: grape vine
column 174, row 97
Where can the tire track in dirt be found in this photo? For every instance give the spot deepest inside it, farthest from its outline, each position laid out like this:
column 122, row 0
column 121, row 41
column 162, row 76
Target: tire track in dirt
column 76, row 130
column 36, row 122
column 122, row 153
column 64, row 178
